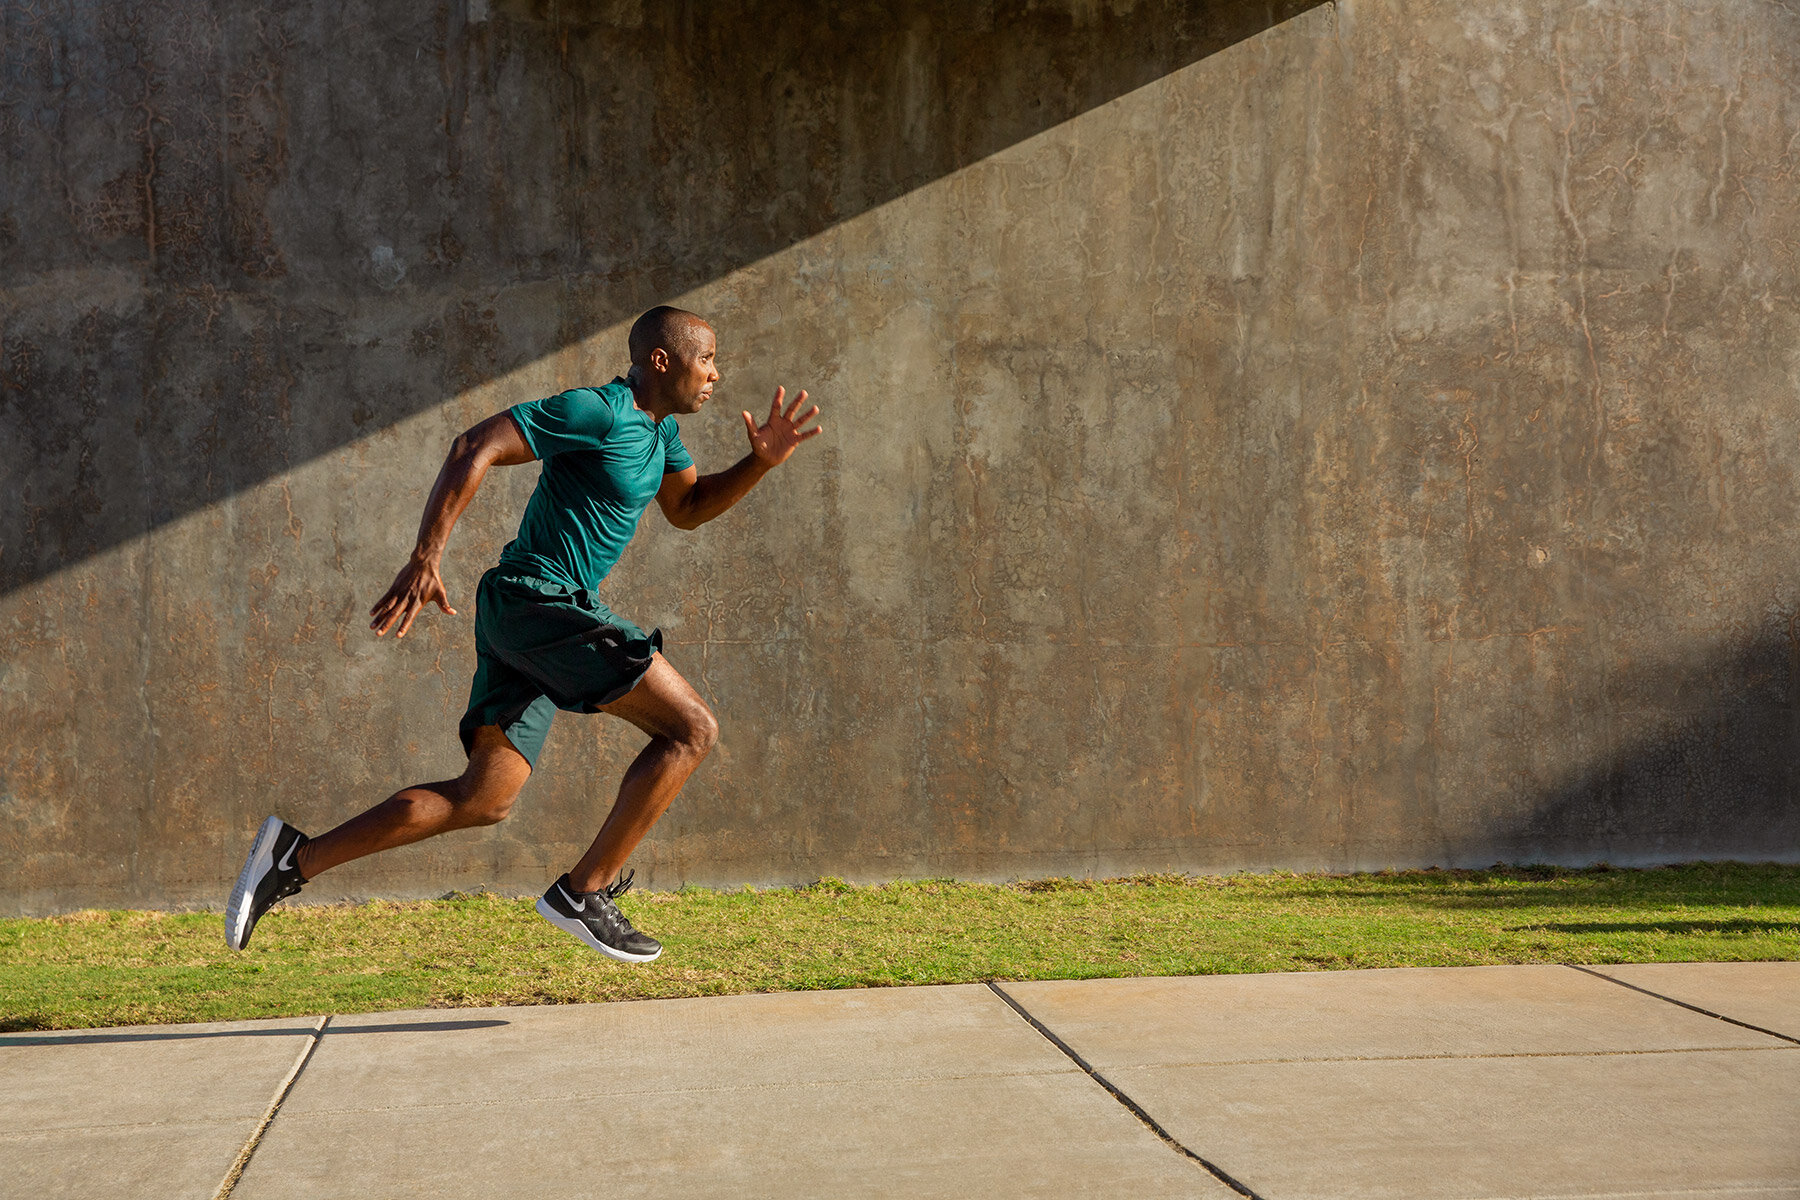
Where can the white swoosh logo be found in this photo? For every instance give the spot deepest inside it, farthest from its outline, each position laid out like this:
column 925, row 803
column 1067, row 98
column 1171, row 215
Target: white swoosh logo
column 287, row 860
column 577, row 905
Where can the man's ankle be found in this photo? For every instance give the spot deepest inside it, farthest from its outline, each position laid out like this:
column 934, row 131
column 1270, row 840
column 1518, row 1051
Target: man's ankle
column 303, row 861
column 590, row 885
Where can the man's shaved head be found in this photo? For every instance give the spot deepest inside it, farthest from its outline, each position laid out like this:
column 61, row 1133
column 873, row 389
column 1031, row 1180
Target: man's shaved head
column 674, row 330
column 680, row 379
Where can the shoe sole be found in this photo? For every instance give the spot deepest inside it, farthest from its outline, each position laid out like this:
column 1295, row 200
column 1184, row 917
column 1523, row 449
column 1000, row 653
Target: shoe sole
column 237, row 911
column 571, row 926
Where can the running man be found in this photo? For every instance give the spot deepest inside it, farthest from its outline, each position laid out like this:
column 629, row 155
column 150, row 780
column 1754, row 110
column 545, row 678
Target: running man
column 543, row 639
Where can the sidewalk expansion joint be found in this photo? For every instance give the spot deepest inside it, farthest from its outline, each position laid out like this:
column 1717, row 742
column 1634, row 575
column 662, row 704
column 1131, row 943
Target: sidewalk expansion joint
column 1130, row 1104
column 1310, row 1059
column 1705, row 1012
column 281, row 1093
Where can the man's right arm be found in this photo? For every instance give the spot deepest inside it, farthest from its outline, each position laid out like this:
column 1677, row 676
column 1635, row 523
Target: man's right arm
column 496, row 440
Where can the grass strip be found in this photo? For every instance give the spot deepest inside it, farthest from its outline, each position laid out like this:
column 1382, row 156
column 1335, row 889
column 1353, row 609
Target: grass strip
column 123, row 968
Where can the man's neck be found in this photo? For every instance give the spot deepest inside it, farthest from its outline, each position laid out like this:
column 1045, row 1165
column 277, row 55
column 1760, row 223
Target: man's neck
column 642, row 398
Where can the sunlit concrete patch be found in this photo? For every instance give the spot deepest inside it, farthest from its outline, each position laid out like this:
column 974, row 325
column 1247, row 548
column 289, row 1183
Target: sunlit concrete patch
column 150, row 1111
column 919, row 1091
column 169, row 1160
column 559, row 1051
column 997, row 1135
column 1445, row 1012
column 1702, row 1123
column 142, row 1074
column 1453, row 1083
column 1765, row 994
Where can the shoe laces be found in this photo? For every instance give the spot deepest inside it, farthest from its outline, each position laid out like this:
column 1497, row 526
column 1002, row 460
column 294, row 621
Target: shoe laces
column 610, row 912
column 605, row 910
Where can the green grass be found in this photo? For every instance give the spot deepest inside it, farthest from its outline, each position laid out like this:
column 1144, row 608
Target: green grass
column 120, row 968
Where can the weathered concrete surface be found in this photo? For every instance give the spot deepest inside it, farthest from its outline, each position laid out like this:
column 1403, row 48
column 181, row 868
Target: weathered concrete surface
column 1462, row 1082
column 1766, row 995
column 1505, row 1083
column 1713, row 1123
column 152, row 1111
column 798, row 1038
column 1401, row 1013
column 1369, row 441
column 916, row 1091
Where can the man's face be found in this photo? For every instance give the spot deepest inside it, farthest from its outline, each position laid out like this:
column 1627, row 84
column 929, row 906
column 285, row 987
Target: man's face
column 693, row 376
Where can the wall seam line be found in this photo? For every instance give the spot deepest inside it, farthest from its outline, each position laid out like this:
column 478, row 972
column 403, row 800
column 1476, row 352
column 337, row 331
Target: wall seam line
column 1135, row 1109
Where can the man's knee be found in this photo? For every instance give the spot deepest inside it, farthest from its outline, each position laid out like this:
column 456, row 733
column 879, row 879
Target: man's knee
column 700, row 729
column 485, row 792
column 488, row 810
column 482, row 805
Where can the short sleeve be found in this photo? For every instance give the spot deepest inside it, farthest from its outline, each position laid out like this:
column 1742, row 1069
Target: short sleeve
column 578, row 419
column 675, row 455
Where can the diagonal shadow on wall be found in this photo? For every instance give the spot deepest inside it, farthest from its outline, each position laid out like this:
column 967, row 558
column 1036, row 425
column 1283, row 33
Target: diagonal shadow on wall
column 235, row 240
column 1697, row 764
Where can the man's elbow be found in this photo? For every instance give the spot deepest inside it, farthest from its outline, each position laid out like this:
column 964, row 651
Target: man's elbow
column 465, row 447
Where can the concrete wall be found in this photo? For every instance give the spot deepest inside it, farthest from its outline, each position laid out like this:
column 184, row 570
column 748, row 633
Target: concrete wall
column 1315, row 437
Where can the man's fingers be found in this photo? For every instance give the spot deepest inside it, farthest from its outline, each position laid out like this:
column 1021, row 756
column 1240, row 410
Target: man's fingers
column 393, row 615
column 808, row 415
column 404, row 610
column 749, row 423
column 813, row 432
column 775, row 404
column 794, row 407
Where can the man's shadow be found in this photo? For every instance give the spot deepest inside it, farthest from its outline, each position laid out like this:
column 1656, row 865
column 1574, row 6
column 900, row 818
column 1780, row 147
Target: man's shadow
column 89, row 1037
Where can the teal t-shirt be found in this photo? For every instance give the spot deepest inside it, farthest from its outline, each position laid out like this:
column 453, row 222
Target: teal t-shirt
column 603, row 461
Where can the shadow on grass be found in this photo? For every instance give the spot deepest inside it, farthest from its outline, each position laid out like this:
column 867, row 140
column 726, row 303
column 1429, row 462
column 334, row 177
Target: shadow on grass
column 1742, row 926
column 1684, row 885
column 16, row 1025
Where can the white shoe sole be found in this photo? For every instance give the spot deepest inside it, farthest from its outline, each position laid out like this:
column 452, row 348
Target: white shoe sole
column 570, row 925
column 260, row 862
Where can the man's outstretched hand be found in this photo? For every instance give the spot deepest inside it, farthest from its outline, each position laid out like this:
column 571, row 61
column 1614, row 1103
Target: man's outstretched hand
column 415, row 586
column 776, row 439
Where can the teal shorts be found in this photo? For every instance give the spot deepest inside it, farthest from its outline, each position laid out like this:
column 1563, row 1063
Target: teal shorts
column 540, row 646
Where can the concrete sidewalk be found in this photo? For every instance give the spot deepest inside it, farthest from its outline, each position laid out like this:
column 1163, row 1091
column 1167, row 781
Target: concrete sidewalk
column 1660, row 1080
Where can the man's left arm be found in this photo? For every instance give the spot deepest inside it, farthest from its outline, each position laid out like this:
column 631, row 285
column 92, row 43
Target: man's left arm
column 690, row 499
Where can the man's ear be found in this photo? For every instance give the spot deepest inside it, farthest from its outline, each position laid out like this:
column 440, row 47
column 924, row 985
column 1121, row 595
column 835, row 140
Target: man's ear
column 659, row 360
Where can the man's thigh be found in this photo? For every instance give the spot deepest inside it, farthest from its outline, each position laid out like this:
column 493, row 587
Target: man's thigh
column 495, row 767
column 663, row 704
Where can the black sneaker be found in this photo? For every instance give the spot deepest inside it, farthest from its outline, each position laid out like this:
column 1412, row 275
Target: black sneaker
column 269, row 874
column 596, row 920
